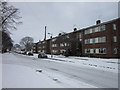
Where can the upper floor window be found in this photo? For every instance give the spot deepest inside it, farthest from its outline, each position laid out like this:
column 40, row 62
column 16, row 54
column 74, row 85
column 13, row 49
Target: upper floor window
column 54, row 45
column 53, row 39
column 96, row 40
column 43, row 42
column 102, row 39
column 102, row 28
column 67, row 36
column 87, row 41
column 114, row 27
column 86, row 31
column 79, row 36
column 43, row 46
column 95, row 29
column 114, row 38
column 61, row 44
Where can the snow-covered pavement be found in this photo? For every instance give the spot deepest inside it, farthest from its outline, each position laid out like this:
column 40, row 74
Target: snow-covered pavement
column 110, row 65
column 20, row 71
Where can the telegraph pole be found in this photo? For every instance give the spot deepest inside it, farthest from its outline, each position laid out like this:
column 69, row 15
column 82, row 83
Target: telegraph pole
column 45, row 33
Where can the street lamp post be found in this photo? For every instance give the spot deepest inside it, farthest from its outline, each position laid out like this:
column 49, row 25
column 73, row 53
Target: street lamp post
column 51, row 43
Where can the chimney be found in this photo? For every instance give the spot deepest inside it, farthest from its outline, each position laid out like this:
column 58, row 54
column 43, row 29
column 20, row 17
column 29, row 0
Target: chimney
column 75, row 29
column 98, row 22
column 45, row 33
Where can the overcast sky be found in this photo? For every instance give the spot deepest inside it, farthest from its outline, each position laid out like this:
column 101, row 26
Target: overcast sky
column 60, row 16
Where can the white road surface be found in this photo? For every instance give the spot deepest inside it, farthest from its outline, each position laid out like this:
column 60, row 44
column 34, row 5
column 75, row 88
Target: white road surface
column 91, row 76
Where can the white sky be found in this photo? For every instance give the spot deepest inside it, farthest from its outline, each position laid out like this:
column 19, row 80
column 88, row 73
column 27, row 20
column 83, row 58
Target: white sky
column 60, row 16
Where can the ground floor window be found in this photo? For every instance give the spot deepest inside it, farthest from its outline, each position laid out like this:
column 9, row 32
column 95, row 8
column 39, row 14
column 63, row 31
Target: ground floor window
column 115, row 50
column 95, row 51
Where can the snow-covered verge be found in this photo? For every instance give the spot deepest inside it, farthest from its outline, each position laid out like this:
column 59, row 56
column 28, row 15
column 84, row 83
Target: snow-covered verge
column 17, row 76
column 111, row 65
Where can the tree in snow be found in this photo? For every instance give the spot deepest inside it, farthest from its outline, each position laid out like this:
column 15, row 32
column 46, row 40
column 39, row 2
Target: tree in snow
column 16, row 47
column 27, row 42
column 9, row 18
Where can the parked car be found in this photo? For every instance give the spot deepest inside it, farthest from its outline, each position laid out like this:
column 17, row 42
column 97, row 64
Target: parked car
column 42, row 55
column 29, row 53
column 25, row 53
column 22, row 52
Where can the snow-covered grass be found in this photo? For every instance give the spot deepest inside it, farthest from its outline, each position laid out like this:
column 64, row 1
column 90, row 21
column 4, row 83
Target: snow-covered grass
column 16, row 76
column 97, row 63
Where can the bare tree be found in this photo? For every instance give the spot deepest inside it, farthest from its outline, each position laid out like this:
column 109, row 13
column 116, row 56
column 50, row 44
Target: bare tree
column 9, row 16
column 27, row 42
column 16, row 47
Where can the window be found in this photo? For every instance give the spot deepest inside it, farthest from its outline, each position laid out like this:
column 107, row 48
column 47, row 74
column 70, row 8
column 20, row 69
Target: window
column 67, row 36
column 102, row 50
column 53, row 39
column 97, row 50
column 39, row 47
column 114, row 38
column 43, row 42
column 79, row 35
column 115, row 51
column 62, row 51
column 91, row 41
column 54, row 45
column 96, row 29
column 39, row 50
column 43, row 46
column 65, row 44
column 102, row 28
column 43, row 51
column 95, row 40
column 91, row 51
column 85, row 50
column 93, row 30
column 54, row 51
column 88, row 50
column 87, row 41
column 114, row 27
column 61, row 44
column 68, row 44
column 90, row 30
column 103, row 39
column 86, row 31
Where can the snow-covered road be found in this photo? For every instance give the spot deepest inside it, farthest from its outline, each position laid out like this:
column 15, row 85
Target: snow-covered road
column 73, row 75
